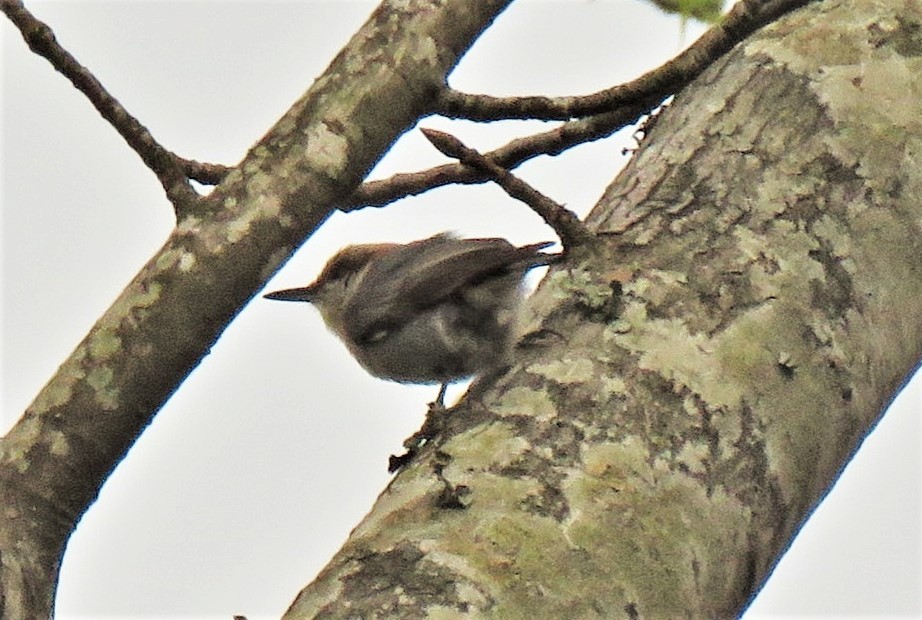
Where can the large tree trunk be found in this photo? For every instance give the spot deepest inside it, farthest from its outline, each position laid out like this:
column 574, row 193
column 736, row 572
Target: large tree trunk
column 53, row 462
column 702, row 378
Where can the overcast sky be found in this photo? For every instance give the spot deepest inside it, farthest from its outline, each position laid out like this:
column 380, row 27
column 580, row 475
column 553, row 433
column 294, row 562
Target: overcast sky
column 254, row 473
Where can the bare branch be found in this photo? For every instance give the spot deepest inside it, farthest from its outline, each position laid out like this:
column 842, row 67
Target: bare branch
column 169, row 168
column 203, row 172
column 627, row 102
column 744, row 19
column 513, row 154
column 569, row 228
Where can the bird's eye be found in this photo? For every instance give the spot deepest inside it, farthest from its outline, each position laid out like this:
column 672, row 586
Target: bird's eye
column 375, row 334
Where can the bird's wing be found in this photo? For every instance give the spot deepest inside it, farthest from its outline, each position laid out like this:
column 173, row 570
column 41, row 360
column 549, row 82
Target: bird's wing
column 423, row 274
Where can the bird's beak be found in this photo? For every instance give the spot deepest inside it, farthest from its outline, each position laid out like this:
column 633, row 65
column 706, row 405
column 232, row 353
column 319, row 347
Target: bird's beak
column 307, row 293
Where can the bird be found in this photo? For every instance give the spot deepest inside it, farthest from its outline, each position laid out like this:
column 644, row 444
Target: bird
column 432, row 311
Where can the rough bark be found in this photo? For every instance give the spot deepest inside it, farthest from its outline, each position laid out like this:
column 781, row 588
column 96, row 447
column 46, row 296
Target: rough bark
column 53, row 462
column 703, row 378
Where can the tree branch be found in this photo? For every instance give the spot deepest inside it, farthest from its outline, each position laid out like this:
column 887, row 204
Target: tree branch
column 385, row 191
column 627, row 104
column 172, row 171
column 203, row 172
column 743, row 19
column 569, row 228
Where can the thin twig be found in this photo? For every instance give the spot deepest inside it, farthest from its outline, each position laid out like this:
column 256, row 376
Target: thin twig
column 172, row 171
column 204, row 173
column 553, row 142
column 743, row 19
column 569, row 228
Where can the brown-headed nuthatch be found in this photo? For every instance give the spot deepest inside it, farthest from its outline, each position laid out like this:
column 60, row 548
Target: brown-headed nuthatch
column 431, row 311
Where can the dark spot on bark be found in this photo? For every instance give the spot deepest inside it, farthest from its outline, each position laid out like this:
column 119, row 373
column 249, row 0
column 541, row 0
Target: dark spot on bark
column 786, row 369
column 631, row 610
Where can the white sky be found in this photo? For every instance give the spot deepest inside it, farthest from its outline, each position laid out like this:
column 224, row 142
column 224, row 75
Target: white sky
column 257, row 469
